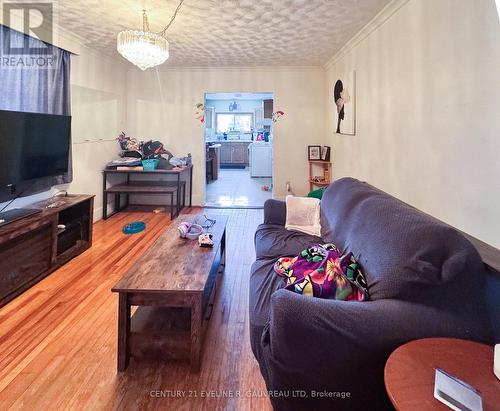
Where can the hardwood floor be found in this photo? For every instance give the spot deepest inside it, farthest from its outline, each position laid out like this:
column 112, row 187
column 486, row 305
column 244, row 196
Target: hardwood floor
column 58, row 339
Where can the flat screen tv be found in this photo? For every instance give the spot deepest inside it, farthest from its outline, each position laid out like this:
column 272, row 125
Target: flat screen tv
column 32, row 146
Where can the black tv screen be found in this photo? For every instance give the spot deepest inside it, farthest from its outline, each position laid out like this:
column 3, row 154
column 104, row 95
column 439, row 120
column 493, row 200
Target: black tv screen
column 32, row 146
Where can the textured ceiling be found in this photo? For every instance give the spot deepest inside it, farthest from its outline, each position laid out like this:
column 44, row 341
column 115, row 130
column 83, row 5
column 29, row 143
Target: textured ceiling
column 227, row 32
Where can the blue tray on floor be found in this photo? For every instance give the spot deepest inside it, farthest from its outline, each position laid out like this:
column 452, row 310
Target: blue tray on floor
column 134, row 228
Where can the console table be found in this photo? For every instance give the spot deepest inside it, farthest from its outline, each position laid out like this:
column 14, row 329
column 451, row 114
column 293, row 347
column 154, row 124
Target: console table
column 156, row 186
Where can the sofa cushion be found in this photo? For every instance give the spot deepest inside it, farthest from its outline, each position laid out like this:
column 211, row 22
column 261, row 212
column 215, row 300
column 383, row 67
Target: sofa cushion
column 263, row 283
column 274, row 241
column 402, row 251
column 302, row 214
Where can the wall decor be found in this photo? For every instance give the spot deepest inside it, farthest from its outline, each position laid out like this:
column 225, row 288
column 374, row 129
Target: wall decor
column 344, row 97
column 277, row 114
column 314, row 153
column 233, row 106
column 325, row 153
column 200, row 112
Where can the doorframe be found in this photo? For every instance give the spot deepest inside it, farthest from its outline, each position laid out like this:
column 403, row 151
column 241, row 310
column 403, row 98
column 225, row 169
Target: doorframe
column 272, row 129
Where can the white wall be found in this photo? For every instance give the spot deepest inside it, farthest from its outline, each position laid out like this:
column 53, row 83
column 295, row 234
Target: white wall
column 92, row 76
column 428, row 101
column 162, row 105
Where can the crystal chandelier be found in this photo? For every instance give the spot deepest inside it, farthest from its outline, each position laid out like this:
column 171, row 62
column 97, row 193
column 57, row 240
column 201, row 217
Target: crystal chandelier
column 144, row 48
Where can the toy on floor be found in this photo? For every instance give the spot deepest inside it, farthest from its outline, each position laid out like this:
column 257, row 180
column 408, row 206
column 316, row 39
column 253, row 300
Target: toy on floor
column 267, row 187
column 134, row 228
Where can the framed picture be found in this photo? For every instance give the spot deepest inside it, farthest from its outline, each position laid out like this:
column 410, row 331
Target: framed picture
column 325, row 153
column 314, row 152
column 344, row 99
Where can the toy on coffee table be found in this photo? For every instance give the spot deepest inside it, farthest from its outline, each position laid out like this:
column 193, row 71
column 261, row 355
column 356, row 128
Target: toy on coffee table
column 189, row 231
column 206, row 240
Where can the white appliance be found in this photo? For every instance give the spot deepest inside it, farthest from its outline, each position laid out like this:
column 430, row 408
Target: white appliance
column 261, row 159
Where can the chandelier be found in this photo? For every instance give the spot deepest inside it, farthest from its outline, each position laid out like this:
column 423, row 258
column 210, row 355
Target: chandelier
column 144, row 48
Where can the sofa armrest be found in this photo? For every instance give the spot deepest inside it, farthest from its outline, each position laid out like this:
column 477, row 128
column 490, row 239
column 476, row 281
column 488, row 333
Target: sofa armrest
column 341, row 346
column 274, row 212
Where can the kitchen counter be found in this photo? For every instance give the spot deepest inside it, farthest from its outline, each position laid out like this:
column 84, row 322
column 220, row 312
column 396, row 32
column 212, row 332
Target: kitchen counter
column 234, row 152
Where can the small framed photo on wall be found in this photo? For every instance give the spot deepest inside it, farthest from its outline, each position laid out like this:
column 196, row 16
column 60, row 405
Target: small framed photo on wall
column 314, row 153
column 325, row 153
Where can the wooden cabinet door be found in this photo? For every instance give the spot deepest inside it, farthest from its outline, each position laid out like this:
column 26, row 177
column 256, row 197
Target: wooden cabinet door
column 259, row 117
column 209, row 117
column 247, row 159
column 225, row 153
column 268, row 108
column 24, row 259
column 238, row 153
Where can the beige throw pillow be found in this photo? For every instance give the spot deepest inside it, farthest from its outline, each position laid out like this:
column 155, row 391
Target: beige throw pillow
column 303, row 214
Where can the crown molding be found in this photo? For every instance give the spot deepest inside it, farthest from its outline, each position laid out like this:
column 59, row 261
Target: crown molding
column 230, row 69
column 385, row 14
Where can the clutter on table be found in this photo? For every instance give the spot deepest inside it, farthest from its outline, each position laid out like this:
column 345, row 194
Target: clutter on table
column 206, row 240
column 193, row 231
column 189, row 230
column 147, row 155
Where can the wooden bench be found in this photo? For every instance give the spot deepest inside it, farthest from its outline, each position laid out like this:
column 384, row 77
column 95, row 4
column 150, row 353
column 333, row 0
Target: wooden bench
column 182, row 177
column 146, row 187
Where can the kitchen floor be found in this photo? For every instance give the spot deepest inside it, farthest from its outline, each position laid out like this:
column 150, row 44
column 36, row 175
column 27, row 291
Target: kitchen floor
column 235, row 188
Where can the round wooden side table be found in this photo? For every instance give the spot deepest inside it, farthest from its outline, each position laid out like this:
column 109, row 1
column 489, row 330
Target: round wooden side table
column 410, row 370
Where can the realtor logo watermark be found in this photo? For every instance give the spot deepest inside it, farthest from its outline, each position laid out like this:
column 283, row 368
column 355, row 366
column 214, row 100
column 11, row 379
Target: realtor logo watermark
column 28, row 34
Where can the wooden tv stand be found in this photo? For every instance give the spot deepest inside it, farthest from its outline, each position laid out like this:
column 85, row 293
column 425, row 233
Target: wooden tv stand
column 34, row 246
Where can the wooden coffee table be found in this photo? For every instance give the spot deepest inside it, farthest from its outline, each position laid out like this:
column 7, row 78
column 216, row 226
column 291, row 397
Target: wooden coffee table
column 175, row 275
column 410, row 371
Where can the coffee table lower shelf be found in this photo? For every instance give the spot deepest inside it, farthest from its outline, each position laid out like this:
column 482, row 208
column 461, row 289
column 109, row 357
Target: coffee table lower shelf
column 166, row 325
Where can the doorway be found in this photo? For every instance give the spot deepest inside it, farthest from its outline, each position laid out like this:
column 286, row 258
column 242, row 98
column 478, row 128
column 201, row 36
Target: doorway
column 239, row 149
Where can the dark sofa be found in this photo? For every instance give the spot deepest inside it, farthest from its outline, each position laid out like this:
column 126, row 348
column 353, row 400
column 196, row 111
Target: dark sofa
column 425, row 280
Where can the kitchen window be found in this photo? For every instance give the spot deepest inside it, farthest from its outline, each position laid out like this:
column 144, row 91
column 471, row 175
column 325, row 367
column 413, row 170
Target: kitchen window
column 241, row 122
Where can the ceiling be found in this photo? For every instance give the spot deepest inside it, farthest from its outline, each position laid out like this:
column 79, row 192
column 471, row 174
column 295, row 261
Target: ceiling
column 227, row 32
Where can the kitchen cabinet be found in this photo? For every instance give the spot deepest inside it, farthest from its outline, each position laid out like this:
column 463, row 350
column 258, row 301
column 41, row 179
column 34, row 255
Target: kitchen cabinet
column 209, row 117
column 258, row 117
column 238, row 153
column 235, row 152
column 225, row 153
column 268, row 108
